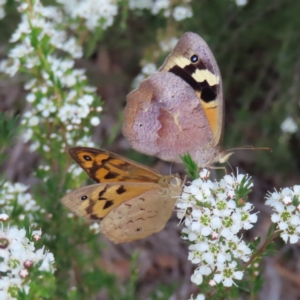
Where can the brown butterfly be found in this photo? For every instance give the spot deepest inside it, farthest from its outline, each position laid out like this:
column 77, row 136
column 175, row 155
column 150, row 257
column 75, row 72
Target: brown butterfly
column 180, row 108
column 131, row 201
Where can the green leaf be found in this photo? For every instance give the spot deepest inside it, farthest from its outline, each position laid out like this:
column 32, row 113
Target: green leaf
column 254, row 244
column 271, row 230
column 191, row 167
column 8, row 130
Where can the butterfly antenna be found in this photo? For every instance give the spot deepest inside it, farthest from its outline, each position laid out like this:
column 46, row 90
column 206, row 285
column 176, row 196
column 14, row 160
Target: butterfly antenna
column 247, row 148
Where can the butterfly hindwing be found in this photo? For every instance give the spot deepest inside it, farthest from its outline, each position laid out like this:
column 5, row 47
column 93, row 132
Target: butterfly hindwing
column 94, row 202
column 105, row 166
column 141, row 216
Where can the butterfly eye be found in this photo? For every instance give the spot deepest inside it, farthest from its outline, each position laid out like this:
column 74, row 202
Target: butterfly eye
column 173, row 181
column 83, row 198
column 194, row 58
column 88, row 158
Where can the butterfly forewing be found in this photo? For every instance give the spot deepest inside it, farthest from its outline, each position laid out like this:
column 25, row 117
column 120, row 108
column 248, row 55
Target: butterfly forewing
column 193, row 61
column 105, row 166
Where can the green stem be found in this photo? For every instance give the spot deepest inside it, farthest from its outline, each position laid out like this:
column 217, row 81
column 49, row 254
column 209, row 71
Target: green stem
column 273, row 236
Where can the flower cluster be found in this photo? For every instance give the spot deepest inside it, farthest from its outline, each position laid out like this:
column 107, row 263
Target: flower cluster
column 286, row 204
column 58, row 94
column 14, row 195
column 18, row 257
column 94, row 13
column 215, row 212
column 179, row 13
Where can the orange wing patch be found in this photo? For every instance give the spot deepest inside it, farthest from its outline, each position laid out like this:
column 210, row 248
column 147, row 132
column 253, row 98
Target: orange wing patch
column 212, row 112
column 104, row 166
column 105, row 197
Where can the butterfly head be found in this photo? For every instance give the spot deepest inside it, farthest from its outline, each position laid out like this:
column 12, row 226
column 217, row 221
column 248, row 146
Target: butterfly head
column 172, row 181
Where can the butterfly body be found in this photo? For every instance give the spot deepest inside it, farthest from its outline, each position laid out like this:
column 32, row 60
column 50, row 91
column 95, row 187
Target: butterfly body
column 131, row 201
column 179, row 109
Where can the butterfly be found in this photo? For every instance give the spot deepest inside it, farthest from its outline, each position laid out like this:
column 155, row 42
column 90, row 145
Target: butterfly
column 130, row 200
column 180, row 108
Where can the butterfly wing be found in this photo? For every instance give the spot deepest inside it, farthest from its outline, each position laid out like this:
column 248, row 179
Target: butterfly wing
column 180, row 108
column 105, row 166
column 203, row 75
column 140, row 216
column 94, row 202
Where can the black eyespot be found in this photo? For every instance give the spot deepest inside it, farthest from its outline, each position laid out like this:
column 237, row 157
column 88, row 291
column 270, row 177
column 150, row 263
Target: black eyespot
column 194, row 58
column 86, row 157
column 84, row 197
column 138, row 229
column 140, row 124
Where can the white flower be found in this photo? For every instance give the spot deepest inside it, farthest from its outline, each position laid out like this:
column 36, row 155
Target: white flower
column 2, row 13
column 137, row 80
column 227, row 274
column 75, row 170
column 30, row 97
column 181, row 12
column 148, row 69
column 95, row 121
column 10, row 67
column 289, row 125
column 198, row 297
column 46, row 148
column 46, row 107
column 140, row 4
column 292, row 235
column 243, row 215
column 159, row 5
column 33, row 121
column 286, row 215
column 95, row 227
column 34, row 146
column 197, row 278
column 168, row 45
column 241, row 2
column 4, row 217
